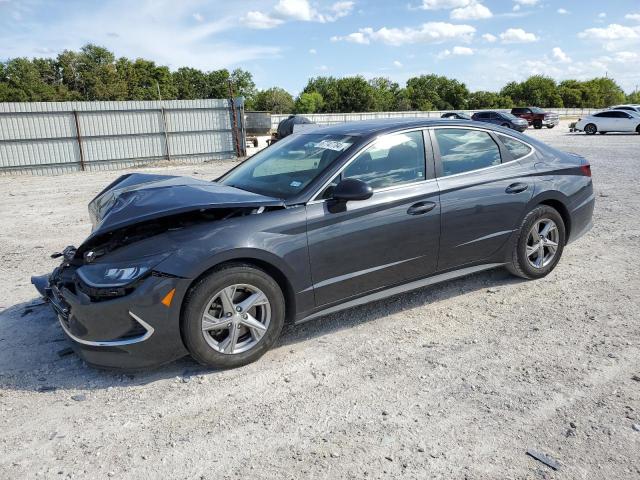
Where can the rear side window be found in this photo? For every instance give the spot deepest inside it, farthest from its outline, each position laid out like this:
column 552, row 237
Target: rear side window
column 463, row 150
column 515, row 147
column 394, row 159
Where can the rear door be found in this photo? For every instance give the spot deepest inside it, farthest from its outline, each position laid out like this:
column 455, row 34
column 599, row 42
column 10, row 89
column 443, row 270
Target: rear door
column 360, row 246
column 484, row 189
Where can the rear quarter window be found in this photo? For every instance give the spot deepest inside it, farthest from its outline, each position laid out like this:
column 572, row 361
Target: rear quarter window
column 517, row 148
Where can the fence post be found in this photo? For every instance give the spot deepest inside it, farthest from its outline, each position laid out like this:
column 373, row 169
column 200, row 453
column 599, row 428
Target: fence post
column 79, row 138
column 166, row 134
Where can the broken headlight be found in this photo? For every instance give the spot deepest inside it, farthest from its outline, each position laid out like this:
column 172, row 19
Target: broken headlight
column 108, row 275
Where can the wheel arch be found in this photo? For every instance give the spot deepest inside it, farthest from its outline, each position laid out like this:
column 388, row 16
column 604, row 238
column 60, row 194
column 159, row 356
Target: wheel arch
column 557, row 201
column 260, row 261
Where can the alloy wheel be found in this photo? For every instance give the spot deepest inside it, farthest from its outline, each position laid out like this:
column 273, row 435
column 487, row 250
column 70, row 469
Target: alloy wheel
column 236, row 318
column 542, row 243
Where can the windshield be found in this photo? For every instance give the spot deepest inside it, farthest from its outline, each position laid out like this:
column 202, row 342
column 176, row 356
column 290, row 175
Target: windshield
column 537, row 110
column 509, row 116
column 286, row 168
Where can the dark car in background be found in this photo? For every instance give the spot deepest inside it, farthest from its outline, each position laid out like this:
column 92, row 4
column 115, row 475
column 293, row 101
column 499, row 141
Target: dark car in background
column 501, row 118
column 456, row 116
column 537, row 117
column 318, row 222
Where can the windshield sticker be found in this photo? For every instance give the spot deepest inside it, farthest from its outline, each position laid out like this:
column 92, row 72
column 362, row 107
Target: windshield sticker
column 334, row 145
column 295, row 183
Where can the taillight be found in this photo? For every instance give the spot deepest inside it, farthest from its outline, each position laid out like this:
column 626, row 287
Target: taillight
column 586, row 170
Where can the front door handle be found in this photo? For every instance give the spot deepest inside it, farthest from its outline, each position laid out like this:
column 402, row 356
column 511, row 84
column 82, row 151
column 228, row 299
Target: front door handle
column 420, row 208
column 517, row 188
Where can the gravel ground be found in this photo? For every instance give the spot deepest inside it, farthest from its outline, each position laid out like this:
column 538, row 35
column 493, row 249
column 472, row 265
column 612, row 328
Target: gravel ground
column 456, row 381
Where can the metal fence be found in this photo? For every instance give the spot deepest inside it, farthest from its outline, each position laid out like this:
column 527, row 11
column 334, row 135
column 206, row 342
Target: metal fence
column 331, row 118
column 58, row 137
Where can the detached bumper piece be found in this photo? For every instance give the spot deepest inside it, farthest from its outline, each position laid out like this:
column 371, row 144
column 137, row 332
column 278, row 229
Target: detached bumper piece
column 132, row 331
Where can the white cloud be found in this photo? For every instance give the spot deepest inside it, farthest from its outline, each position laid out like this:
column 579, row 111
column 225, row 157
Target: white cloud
column 602, row 15
column 517, row 35
column 431, row 32
column 625, row 57
column 516, row 8
column 473, row 11
column 489, row 37
column 612, row 32
column 526, row 2
column 633, row 16
column 198, row 17
column 563, row 11
column 259, row 20
column 313, row 51
column 296, row 10
column 559, row 55
column 397, row 63
column 458, row 51
column 444, row 4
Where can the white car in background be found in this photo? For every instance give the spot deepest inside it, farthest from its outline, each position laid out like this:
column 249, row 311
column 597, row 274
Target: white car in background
column 610, row 121
column 630, row 107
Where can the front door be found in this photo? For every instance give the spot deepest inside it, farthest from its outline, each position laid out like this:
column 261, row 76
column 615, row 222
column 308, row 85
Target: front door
column 484, row 190
column 361, row 246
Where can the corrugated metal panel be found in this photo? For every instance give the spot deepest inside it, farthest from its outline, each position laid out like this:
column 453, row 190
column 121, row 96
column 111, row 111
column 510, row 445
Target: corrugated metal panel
column 41, row 138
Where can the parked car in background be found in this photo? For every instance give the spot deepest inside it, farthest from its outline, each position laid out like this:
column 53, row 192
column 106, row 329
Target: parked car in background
column 456, row 116
column 501, row 118
column 321, row 221
column 537, row 116
column 610, row 121
column 632, row 108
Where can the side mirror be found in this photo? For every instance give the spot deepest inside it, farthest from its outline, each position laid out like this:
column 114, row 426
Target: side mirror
column 351, row 189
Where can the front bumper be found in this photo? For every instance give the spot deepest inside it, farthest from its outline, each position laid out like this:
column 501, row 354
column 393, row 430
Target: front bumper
column 551, row 121
column 130, row 332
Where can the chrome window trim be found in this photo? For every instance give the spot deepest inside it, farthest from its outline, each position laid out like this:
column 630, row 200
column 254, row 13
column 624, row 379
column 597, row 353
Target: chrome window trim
column 314, row 198
column 485, row 168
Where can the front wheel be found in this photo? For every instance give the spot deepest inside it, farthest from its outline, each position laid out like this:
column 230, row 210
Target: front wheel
column 550, row 126
column 537, row 249
column 537, row 124
column 590, row 129
column 232, row 316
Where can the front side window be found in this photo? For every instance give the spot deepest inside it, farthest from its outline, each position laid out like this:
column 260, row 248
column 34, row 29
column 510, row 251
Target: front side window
column 393, row 159
column 515, row 147
column 283, row 170
column 463, row 150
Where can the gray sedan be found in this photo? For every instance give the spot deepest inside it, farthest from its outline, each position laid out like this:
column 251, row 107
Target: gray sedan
column 319, row 222
column 503, row 119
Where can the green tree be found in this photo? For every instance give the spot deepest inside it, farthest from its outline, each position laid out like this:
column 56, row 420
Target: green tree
column 634, row 97
column 328, row 89
column 355, row 95
column 428, row 92
column 536, row 90
column 387, row 94
column 483, row 99
column 274, row 100
column 143, row 78
column 309, row 103
column 190, row 83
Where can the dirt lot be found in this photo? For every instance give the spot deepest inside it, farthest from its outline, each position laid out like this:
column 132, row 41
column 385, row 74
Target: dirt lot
column 455, row 381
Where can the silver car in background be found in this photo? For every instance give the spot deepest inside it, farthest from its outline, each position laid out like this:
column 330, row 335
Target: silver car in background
column 609, row 121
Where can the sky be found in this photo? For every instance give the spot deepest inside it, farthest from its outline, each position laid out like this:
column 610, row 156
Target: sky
column 484, row 43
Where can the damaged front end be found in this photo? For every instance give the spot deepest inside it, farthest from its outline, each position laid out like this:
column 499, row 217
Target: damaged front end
column 113, row 302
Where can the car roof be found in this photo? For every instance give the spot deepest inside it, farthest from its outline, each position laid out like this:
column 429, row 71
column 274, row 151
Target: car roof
column 367, row 128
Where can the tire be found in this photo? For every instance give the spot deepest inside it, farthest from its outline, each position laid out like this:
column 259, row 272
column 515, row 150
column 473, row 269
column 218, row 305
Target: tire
column 206, row 296
column 550, row 126
column 522, row 265
column 638, row 129
column 537, row 124
column 590, row 129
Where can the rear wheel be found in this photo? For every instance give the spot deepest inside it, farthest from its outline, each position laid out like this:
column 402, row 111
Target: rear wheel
column 590, row 129
column 550, row 126
column 537, row 124
column 539, row 244
column 232, row 316
column 638, row 129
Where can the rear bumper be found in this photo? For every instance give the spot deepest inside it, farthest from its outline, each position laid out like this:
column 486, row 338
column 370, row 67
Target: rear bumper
column 131, row 332
column 582, row 218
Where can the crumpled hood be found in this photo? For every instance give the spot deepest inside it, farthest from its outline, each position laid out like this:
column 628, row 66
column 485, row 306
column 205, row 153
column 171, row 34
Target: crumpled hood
column 138, row 197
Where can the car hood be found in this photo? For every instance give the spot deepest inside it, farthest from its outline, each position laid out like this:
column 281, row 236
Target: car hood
column 138, row 197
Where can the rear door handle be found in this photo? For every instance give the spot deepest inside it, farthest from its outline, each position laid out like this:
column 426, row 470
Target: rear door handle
column 420, row 208
column 517, row 188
